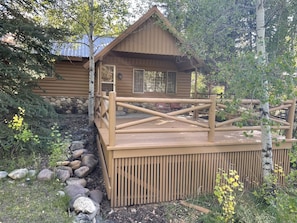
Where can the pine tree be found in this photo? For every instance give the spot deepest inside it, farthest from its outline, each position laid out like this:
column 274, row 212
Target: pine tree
column 25, row 45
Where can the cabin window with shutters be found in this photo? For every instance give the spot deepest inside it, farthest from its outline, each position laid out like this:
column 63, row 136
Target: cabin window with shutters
column 154, row 81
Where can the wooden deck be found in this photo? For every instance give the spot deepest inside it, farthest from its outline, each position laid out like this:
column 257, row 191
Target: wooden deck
column 155, row 156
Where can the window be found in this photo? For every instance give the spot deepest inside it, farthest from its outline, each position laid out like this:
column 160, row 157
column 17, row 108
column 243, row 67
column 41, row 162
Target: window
column 138, row 81
column 154, row 81
column 108, row 78
column 171, row 82
column 108, row 73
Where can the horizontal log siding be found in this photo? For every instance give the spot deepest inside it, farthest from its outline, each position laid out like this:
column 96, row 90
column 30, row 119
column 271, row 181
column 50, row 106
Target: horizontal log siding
column 149, row 38
column 75, row 80
column 152, row 179
column 125, row 65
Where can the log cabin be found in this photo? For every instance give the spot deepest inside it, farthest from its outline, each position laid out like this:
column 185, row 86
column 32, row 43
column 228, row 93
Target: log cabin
column 167, row 146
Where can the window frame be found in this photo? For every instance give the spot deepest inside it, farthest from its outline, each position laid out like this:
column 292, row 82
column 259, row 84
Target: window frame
column 175, row 87
column 143, row 73
column 114, row 74
column 166, row 82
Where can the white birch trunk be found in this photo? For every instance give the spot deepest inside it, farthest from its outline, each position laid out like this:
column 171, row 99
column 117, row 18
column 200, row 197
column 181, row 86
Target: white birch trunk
column 91, row 64
column 267, row 162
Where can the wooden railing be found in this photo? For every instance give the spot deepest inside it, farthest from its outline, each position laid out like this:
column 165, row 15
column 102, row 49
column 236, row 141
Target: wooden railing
column 144, row 174
column 282, row 116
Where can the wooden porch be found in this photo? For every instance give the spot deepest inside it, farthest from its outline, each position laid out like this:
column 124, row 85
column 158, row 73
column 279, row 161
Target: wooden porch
column 151, row 156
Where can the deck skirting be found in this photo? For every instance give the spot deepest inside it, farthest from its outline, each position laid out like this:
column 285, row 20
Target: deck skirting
column 154, row 178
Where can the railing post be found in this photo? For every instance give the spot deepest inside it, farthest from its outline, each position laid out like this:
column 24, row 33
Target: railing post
column 211, row 118
column 291, row 115
column 102, row 108
column 112, row 118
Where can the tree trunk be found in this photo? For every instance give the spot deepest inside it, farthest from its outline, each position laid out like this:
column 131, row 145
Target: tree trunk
column 267, row 162
column 91, row 64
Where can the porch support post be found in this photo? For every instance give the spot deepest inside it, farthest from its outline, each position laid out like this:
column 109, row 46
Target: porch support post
column 112, row 118
column 211, row 118
column 102, row 108
column 99, row 80
column 291, row 115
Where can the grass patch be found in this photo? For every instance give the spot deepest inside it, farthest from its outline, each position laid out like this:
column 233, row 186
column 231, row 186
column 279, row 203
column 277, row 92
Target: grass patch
column 251, row 208
column 35, row 202
column 177, row 213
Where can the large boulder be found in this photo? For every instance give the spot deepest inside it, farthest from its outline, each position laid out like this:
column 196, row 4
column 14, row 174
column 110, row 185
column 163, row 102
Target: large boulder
column 74, row 191
column 75, row 145
column 77, row 153
column 18, row 173
column 75, row 164
column 82, row 171
column 84, row 205
column 62, row 175
column 45, row 175
column 76, row 181
column 3, row 174
column 90, row 161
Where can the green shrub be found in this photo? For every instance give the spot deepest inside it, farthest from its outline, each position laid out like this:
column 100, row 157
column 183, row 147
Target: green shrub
column 20, row 136
column 58, row 146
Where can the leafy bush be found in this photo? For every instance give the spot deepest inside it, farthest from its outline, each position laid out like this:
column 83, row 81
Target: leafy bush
column 24, row 123
column 227, row 187
column 58, row 146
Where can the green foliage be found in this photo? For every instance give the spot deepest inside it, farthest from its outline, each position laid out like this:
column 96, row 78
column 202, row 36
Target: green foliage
column 25, row 47
column 227, row 187
column 58, row 146
column 19, row 135
column 269, row 189
column 223, row 34
column 106, row 17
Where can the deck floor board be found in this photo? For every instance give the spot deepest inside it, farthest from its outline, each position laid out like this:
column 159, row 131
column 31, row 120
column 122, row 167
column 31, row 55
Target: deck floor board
column 174, row 138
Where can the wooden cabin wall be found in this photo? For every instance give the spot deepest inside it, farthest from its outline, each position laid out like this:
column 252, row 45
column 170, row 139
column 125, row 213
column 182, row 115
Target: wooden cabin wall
column 125, row 65
column 74, row 82
column 150, row 38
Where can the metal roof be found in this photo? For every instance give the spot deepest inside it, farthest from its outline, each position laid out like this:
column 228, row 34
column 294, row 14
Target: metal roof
column 80, row 48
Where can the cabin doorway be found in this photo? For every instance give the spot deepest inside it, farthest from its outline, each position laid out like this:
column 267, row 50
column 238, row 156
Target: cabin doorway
column 108, row 78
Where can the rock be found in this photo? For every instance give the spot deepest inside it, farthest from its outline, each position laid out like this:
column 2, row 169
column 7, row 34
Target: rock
column 3, row 174
column 82, row 171
column 84, row 205
column 96, row 195
column 62, row 175
column 18, row 173
column 83, row 218
column 77, row 153
column 45, row 175
column 76, row 181
column 32, row 173
column 75, row 164
column 74, row 191
column 75, row 145
column 69, row 169
column 63, row 163
column 60, row 193
column 90, row 161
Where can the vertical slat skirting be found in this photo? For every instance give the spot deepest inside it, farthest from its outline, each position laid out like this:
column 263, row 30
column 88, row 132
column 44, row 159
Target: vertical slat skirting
column 141, row 180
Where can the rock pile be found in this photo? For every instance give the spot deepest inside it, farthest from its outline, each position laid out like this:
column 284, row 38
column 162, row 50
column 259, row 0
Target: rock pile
column 84, row 203
column 68, row 105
